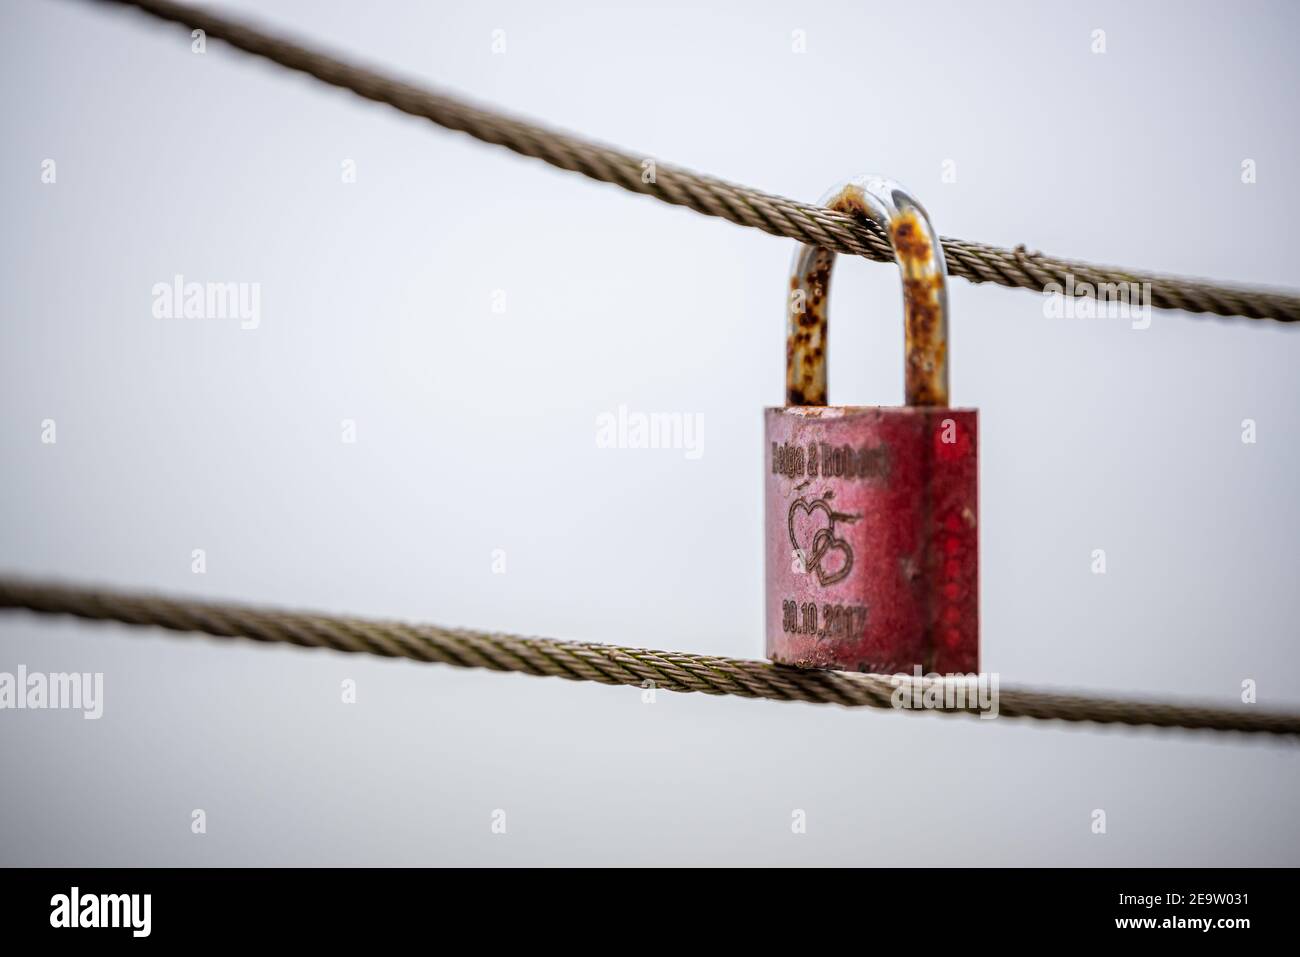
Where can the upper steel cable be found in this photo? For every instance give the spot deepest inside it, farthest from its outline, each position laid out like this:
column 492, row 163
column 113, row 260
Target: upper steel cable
column 808, row 223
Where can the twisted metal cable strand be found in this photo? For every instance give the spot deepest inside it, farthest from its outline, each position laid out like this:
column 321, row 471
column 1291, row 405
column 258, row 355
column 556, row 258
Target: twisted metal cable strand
column 607, row 664
column 807, row 223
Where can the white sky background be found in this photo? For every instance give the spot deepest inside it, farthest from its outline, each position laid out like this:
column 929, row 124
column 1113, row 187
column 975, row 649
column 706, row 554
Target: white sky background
column 476, row 430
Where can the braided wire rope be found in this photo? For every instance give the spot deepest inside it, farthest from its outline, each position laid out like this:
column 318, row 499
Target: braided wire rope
column 807, row 223
column 608, row 664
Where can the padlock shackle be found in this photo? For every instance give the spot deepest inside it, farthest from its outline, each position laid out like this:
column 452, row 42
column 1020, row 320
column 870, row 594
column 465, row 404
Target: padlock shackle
column 925, row 295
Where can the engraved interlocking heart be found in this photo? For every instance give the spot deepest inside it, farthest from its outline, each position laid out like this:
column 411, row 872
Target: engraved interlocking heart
column 824, row 540
column 810, row 509
column 825, row 543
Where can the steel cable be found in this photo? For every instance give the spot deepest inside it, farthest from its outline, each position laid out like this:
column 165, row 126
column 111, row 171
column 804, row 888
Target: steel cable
column 808, row 223
column 610, row 664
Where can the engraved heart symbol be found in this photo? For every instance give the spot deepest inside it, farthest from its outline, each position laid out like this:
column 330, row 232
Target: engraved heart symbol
column 810, row 524
column 825, row 543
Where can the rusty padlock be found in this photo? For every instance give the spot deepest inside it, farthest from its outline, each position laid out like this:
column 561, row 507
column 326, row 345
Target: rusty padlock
column 872, row 513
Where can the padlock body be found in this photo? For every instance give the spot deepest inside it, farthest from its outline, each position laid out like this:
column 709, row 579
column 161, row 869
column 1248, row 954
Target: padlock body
column 872, row 538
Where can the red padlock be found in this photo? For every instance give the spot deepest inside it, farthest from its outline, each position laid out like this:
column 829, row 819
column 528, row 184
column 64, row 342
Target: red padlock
column 872, row 513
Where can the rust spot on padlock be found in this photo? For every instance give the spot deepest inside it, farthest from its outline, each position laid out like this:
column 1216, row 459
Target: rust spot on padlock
column 910, row 243
column 924, row 324
column 805, row 355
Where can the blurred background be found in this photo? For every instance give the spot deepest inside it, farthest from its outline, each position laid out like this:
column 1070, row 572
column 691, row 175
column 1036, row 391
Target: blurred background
column 472, row 313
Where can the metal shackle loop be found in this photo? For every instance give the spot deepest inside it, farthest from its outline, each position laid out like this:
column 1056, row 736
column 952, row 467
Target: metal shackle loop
column 925, row 295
